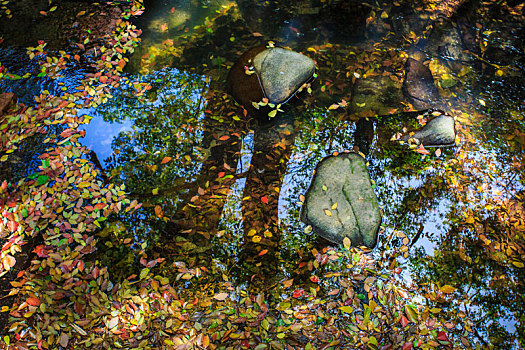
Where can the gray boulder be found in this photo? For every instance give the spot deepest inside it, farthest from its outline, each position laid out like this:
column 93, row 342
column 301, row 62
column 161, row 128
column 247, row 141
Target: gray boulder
column 341, row 202
column 282, row 72
column 438, row 132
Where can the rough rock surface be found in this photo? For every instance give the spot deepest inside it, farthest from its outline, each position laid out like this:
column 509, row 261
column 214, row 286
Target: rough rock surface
column 282, row 72
column 438, row 132
column 341, row 202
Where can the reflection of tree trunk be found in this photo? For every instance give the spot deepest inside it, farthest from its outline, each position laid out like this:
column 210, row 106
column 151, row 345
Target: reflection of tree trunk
column 272, row 149
column 363, row 135
column 202, row 209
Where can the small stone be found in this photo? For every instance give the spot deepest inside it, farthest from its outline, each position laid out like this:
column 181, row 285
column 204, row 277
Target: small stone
column 438, row 132
column 347, row 182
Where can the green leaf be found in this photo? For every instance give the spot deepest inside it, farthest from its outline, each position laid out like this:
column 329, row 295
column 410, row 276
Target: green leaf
column 272, row 113
column 411, row 314
column 42, row 179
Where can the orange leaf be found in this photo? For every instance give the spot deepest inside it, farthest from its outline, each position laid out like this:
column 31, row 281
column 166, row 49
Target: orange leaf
column 422, row 150
column 100, row 205
column 257, row 34
column 9, row 262
column 158, row 211
column 33, row 301
column 262, row 252
column 224, row 138
column 165, row 160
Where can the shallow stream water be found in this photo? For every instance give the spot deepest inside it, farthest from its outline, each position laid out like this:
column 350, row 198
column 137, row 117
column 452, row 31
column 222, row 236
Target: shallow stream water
column 230, row 178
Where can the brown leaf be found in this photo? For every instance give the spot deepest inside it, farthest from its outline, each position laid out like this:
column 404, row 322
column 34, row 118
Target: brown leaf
column 63, row 340
column 288, row 283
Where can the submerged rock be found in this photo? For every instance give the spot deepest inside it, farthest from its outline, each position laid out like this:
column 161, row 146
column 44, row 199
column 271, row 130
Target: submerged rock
column 6, row 99
column 418, row 85
column 273, row 73
column 376, row 93
column 439, row 132
column 341, row 202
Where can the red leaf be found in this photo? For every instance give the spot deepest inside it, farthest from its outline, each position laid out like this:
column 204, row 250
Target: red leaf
column 298, row 293
column 262, row 252
column 314, row 279
column 264, row 200
column 33, row 301
column 407, row 346
column 165, row 160
column 404, row 321
column 40, row 251
column 442, row 336
column 221, row 174
column 103, row 79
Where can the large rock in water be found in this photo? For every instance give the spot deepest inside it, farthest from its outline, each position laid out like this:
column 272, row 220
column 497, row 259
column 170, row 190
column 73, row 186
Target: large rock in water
column 277, row 75
column 439, row 132
column 282, row 72
column 341, row 202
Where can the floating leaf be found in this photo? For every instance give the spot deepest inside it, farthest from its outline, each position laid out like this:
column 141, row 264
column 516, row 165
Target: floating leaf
column 346, row 309
column 33, row 301
column 327, row 212
column 447, row 289
column 165, row 160
column 220, row 296
column 347, row 243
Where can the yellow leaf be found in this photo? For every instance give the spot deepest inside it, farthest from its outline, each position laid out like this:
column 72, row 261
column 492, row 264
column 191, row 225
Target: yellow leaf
column 347, row 243
column 256, row 239
column 334, row 106
column 346, row 309
column 328, row 212
column 447, row 289
column 334, row 206
column 251, row 232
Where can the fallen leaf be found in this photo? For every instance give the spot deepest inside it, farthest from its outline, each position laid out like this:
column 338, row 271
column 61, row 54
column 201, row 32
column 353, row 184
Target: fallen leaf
column 220, row 296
